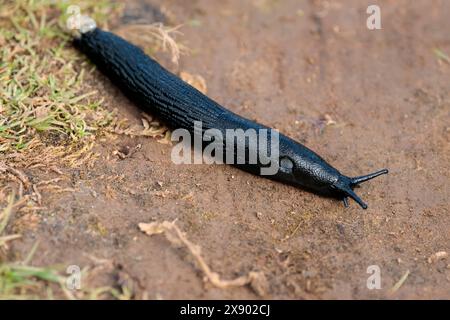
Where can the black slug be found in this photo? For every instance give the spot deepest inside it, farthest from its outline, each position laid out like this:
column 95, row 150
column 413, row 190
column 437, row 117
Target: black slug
column 179, row 105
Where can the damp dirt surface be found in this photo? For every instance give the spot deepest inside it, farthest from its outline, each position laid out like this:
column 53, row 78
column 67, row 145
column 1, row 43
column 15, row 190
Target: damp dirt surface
column 362, row 99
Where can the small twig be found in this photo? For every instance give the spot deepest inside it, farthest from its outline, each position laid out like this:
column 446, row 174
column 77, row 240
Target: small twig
column 255, row 279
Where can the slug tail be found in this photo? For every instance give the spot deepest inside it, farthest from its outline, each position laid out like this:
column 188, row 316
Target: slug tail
column 360, row 179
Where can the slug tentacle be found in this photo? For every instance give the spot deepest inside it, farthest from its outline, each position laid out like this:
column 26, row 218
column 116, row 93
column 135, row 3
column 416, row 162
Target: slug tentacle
column 346, row 185
column 355, row 197
column 360, row 179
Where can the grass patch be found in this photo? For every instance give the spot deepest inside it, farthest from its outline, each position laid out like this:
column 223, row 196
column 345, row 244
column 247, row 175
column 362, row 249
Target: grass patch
column 48, row 109
column 48, row 117
column 43, row 92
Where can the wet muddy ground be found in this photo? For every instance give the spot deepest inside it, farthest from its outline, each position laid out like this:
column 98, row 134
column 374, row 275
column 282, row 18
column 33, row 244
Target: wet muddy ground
column 363, row 99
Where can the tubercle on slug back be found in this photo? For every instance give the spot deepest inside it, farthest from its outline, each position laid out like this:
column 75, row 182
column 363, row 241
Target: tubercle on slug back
column 178, row 104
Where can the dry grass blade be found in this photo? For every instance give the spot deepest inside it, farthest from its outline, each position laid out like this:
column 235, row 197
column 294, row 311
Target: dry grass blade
column 6, row 214
column 155, row 37
column 11, row 237
column 195, row 80
column 4, row 218
column 399, row 283
column 19, row 174
column 441, row 55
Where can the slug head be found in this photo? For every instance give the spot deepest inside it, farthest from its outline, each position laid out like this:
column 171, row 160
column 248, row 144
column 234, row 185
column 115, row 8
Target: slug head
column 345, row 185
column 323, row 178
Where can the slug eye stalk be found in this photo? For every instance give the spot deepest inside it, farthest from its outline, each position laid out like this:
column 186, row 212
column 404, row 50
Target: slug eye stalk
column 357, row 180
column 346, row 185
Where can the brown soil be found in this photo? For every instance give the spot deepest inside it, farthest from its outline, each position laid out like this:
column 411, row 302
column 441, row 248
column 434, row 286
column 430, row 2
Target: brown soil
column 298, row 66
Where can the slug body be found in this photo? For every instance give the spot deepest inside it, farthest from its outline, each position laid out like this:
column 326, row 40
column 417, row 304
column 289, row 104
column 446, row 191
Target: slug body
column 179, row 105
